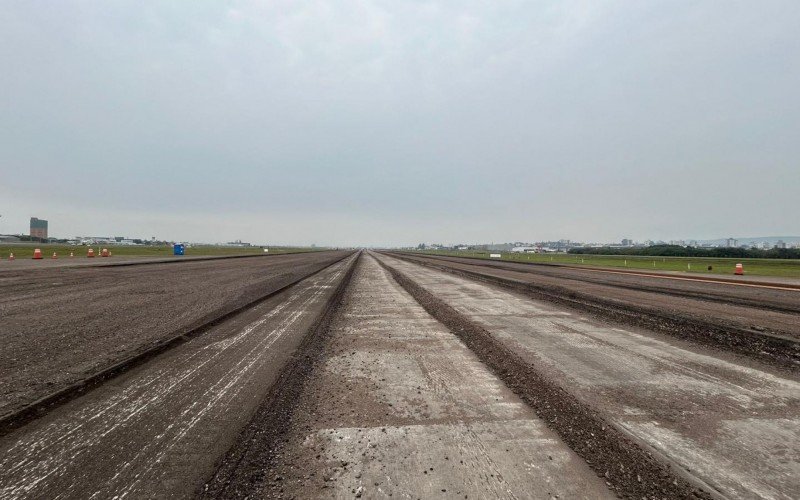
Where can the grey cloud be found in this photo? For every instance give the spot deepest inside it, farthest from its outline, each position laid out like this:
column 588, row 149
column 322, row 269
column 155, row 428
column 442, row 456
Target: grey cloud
column 364, row 122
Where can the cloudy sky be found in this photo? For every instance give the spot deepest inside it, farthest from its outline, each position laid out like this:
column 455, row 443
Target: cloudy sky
column 390, row 123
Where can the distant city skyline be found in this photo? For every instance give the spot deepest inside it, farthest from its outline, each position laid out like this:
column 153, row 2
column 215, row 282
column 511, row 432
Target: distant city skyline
column 771, row 241
column 682, row 241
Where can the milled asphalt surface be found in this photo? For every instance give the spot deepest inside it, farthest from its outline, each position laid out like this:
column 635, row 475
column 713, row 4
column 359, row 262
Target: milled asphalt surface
column 733, row 425
column 391, row 402
column 62, row 324
column 399, row 407
column 742, row 307
column 158, row 430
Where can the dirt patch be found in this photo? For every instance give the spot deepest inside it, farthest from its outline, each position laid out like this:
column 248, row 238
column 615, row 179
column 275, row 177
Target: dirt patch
column 631, row 470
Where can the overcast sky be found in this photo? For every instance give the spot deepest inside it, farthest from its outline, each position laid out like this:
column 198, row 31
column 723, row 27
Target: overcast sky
column 391, row 123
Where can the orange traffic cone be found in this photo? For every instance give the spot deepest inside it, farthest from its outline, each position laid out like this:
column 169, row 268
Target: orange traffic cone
column 54, row 255
column 739, row 270
column 90, row 252
column 37, row 254
column 104, row 252
column 11, row 256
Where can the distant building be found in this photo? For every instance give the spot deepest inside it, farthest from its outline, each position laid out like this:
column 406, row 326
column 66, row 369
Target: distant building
column 240, row 243
column 780, row 244
column 732, row 243
column 38, row 228
column 627, row 242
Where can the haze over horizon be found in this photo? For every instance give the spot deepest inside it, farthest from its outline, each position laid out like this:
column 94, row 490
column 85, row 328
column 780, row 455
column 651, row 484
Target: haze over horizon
column 383, row 124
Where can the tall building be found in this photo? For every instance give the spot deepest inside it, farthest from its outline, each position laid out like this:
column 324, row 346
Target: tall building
column 38, row 228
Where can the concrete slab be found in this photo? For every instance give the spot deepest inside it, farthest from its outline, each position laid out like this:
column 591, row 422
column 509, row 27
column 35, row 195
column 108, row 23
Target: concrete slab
column 720, row 419
column 402, row 408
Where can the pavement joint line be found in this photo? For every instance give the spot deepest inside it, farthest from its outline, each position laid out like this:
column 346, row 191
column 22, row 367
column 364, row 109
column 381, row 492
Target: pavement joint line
column 43, row 405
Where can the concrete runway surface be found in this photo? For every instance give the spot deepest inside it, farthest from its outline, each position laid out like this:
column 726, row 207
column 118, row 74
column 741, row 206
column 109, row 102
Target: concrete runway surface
column 763, row 308
column 344, row 375
column 399, row 407
column 736, row 426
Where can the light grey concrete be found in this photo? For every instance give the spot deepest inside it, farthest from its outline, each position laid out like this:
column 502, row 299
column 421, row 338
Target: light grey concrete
column 463, row 432
column 736, row 427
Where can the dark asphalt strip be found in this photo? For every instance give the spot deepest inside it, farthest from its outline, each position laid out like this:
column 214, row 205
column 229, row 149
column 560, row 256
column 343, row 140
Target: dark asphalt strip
column 777, row 350
column 631, row 468
column 42, row 406
column 242, row 472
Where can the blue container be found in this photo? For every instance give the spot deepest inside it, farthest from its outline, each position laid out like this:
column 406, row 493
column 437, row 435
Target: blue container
column 178, row 249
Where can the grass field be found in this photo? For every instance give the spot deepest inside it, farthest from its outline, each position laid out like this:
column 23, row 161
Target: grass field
column 25, row 251
column 755, row 267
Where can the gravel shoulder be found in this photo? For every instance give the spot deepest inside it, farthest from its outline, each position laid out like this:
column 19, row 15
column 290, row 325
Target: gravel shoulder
column 732, row 425
column 60, row 325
